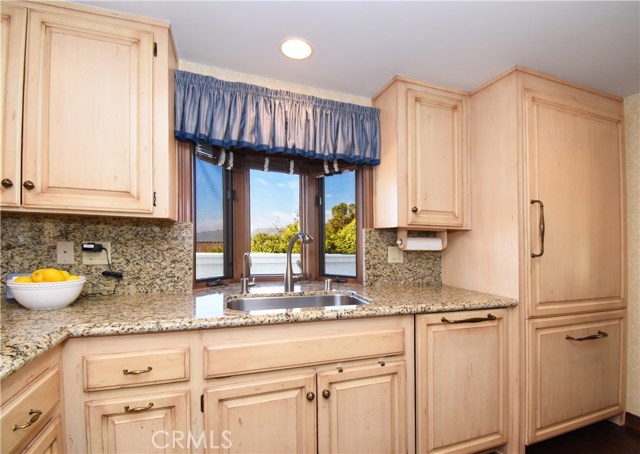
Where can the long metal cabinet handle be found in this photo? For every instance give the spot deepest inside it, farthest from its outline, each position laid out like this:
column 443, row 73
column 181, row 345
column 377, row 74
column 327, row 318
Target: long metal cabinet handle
column 137, row 372
column 470, row 320
column 600, row 335
column 541, row 227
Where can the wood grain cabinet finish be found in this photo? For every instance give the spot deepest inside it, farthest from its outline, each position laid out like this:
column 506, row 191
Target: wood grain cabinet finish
column 141, row 424
column 461, row 381
column 96, row 136
column 13, row 28
column 363, row 409
column 575, row 372
column 422, row 182
column 265, row 414
column 30, row 414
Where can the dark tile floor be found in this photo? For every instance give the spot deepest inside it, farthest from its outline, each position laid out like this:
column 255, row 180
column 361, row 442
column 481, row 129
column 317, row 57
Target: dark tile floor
column 601, row 438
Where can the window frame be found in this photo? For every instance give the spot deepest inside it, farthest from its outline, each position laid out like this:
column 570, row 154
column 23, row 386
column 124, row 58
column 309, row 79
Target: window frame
column 238, row 201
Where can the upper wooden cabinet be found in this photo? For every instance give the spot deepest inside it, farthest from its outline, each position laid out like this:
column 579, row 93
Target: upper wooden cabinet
column 98, row 110
column 422, row 182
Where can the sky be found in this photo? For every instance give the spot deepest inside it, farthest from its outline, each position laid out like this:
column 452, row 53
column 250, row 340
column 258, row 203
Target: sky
column 274, row 197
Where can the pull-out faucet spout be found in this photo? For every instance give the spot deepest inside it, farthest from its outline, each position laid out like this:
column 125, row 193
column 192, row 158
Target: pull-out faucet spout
column 288, row 274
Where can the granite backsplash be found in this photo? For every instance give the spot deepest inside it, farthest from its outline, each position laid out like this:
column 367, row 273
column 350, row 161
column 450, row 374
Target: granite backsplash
column 153, row 255
column 156, row 256
column 418, row 267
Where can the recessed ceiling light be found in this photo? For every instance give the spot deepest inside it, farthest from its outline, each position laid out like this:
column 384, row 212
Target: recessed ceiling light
column 296, row 48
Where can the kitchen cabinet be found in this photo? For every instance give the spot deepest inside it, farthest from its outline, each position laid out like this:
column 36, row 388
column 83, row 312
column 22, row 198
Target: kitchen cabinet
column 97, row 123
column 128, row 393
column 13, row 32
column 575, row 371
column 281, row 390
column 422, row 182
column 549, row 210
column 461, row 381
column 31, row 407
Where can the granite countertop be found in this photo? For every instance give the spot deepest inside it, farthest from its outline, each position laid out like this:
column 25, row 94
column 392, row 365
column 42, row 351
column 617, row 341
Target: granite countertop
column 26, row 334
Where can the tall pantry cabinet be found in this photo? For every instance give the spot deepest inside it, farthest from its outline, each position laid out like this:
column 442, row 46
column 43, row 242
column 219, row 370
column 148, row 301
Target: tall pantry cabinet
column 548, row 216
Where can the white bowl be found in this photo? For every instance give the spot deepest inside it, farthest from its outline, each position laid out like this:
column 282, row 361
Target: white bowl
column 44, row 296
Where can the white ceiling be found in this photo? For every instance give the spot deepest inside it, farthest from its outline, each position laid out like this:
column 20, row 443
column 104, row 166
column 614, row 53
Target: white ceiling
column 359, row 46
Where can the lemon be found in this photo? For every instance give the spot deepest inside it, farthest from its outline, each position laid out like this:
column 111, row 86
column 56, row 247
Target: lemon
column 66, row 273
column 72, row 277
column 23, row 279
column 37, row 276
column 53, row 275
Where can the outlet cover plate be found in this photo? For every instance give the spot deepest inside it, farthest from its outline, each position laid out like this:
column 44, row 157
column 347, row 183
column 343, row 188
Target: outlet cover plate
column 64, row 253
column 394, row 254
column 97, row 258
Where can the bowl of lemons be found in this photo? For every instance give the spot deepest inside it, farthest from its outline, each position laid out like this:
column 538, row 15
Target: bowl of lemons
column 46, row 289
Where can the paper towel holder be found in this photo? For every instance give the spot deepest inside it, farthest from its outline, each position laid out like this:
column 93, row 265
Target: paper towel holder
column 403, row 234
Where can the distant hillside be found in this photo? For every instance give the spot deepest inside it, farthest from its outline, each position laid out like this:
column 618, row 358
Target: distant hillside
column 210, row 236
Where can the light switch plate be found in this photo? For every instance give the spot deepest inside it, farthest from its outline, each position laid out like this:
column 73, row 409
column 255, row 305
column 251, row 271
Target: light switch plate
column 64, row 253
column 394, row 254
column 98, row 258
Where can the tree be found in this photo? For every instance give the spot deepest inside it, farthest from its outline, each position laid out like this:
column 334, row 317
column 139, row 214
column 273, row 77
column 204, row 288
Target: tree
column 276, row 242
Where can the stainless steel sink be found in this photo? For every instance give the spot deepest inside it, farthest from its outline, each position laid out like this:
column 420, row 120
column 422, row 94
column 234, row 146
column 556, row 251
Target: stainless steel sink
column 259, row 303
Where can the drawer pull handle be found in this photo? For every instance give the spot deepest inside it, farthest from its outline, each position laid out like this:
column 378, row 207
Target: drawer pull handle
column 137, row 372
column 600, row 335
column 35, row 414
column 470, row 320
column 129, row 409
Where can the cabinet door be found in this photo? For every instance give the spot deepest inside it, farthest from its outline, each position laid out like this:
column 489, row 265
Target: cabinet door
column 271, row 414
column 461, row 378
column 48, row 441
column 88, row 114
column 574, row 372
column 575, row 165
column 12, row 42
column 141, row 424
column 363, row 409
column 437, row 159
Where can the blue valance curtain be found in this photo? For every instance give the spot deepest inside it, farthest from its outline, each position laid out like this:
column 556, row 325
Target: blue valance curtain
column 239, row 115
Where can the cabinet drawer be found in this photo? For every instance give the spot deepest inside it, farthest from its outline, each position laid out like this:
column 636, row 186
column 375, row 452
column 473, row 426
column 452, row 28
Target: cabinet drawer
column 123, row 370
column 575, row 371
column 25, row 414
column 270, row 354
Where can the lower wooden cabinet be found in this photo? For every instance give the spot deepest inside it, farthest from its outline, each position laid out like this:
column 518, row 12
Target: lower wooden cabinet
column 461, row 381
column 574, row 372
column 274, row 414
column 363, row 409
column 31, row 407
column 141, row 424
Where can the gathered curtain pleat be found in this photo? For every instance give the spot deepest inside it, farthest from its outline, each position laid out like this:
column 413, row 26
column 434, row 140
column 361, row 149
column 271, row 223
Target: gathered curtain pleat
column 238, row 115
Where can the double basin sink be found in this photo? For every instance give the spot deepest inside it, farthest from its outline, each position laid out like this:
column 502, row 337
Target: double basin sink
column 327, row 300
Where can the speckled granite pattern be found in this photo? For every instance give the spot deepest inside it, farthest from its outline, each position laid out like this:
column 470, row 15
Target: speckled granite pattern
column 153, row 255
column 27, row 334
column 418, row 268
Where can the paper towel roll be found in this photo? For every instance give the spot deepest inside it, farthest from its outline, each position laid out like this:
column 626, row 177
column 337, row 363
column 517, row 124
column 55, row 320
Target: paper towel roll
column 424, row 244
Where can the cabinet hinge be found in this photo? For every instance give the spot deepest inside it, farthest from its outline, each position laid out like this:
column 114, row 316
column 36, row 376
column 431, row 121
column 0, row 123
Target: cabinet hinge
column 155, row 49
column 318, row 201
column 154, row 198
column 202, row 403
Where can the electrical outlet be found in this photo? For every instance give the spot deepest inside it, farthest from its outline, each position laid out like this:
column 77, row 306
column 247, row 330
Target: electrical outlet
column 394, row 254
column 64, row 253
column 98, row 258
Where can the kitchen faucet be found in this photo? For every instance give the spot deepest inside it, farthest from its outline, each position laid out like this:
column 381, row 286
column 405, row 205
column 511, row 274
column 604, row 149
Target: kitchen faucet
column 246, row 272
column 288, row 274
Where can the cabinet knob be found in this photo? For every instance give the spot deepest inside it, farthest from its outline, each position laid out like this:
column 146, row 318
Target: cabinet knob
column 310, row 396
column 326, row 393
column 6, row 183
column 414, row 209
column 28, row 185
